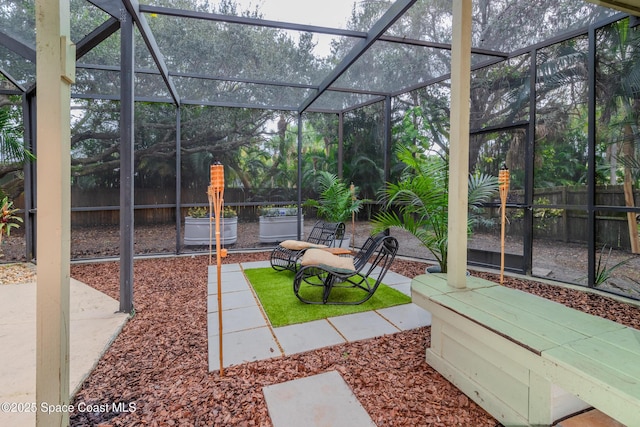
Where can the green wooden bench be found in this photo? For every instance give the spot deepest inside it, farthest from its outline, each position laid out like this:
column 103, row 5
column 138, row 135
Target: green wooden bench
column 527, row 360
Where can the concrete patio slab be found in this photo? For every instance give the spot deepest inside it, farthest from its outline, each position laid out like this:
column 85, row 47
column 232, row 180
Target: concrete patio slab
column 255, row 264
column 360, row 326
column 94, row 323
column 392, row 278
column 405, row 288
column 315, row 401
column 233, row 281
column 231, row 300
column 242, row 347
column 228, row 268
column 406, row 316
column 237, row 319
column 307, row 336
column 259, row 340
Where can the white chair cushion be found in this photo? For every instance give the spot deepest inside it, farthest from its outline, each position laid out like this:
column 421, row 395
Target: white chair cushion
column 298, row 245
column 323, row 258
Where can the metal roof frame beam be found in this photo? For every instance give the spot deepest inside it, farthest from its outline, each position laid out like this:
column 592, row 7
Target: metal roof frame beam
column 524, row 51
column 243, row 80
column 232, row 104
column 239, row 105
column 112, row 7
column 257, row 22
column 147, row 35
column 13, row 81
column 97, row 36
column 19, row 47
column 357, row 91
column 200, row 76
column 160, row 100
column 443, row 46
column 390, row 16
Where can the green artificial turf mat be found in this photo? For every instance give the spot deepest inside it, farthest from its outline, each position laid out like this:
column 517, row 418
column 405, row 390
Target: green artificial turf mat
column 275, row 291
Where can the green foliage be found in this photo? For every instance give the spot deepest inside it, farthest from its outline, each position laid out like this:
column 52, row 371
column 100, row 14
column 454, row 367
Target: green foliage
column 544, row 213
column 418, row 203
column 618, row 88
column 363, row 149
column 337, row 201
column 273, row 211
column 603, row 271
column 229, row 212
column 563, row 156
column 8, row 217
column 203, row 212
column 411, row 130
column 12, row 150
column 424, row 118
column 541, row 215
column 198, row 212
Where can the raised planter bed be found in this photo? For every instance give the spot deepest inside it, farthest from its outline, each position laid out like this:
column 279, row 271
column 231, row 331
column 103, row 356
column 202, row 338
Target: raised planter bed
column 275, row 229
column 196, row 231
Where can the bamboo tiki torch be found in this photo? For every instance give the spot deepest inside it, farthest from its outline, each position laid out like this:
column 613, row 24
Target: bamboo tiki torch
column 216, row 193
column 503, row 182
column 353, row 218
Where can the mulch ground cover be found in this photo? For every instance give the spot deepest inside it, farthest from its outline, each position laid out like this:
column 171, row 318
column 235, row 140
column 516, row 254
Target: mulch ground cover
column 159, row 361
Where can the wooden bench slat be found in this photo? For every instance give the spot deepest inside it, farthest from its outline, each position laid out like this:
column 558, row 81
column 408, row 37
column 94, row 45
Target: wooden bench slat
column 436, row 284
column 525, row 338
column 579, row 321
column 425, row 289
column 625, row 338
column 606, row 388
column 589, row 357
column 509, row 314
column 610, row 356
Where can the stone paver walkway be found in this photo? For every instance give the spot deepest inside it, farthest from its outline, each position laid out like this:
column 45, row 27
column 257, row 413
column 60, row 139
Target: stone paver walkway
column 248, row 336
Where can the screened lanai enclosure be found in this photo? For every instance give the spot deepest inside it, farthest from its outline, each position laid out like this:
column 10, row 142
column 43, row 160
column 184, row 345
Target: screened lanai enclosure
column 279, row 90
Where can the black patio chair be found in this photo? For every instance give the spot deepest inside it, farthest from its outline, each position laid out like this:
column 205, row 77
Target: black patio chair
column 364, row 271
column 287, row 254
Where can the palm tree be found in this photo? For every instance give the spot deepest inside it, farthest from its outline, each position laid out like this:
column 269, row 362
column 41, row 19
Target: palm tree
column 418, row 203
column 12, row 150
column 337, row 201
column 619, row 85
column 13, row 153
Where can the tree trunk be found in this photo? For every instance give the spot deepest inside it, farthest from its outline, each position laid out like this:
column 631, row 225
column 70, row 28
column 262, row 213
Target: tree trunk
column 627, row 150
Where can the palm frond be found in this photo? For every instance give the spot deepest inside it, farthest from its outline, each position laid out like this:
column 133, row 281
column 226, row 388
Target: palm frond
column 421, row 198
column 12, row 149
column 482, row 187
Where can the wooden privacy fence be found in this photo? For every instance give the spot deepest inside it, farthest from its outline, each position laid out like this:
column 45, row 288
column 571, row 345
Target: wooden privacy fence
column 606, row 195
column 568, row 220
column 153, row 206
column 564, row 219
